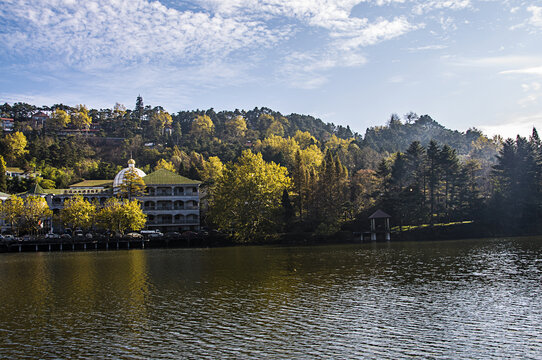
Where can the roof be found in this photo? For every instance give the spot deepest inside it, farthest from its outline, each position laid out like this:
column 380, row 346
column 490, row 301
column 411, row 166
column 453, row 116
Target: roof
column 93, row 183
column 15, row 170
column 36, row 189
column 379, row 214
column 163, row 176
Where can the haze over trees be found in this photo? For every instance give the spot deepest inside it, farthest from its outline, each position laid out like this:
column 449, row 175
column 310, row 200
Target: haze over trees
column 314, row 177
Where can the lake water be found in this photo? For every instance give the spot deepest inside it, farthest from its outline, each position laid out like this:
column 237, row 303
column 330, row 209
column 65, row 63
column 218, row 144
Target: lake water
column 477, row 299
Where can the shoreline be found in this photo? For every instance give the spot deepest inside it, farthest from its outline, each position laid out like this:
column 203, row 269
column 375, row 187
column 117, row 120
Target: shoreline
column 466, row 232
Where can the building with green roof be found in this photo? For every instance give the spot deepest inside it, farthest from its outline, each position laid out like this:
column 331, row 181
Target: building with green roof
column 171, row 201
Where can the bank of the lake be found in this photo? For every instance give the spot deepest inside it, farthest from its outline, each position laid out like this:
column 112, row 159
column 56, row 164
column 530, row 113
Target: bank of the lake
column 436, row 299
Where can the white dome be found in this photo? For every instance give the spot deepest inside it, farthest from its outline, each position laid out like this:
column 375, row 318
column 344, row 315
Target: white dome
column 119, row 178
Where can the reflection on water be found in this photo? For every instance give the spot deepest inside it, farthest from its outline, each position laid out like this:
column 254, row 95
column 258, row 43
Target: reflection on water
column 454, row 299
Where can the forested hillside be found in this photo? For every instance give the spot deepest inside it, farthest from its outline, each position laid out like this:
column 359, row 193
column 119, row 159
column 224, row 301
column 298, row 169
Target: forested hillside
column 323, row 175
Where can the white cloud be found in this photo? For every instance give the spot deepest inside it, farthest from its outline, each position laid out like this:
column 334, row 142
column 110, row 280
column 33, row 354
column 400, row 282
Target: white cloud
column 428, row 47
column 514, row 125
column 376, row 32
column 308, row 70
column 497, row 61
column 430, row 5
column 536, row 18
column 86, row 33
column 537, row 70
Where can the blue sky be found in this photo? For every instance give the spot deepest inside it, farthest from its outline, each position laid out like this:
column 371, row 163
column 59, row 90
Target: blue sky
column 352, row 62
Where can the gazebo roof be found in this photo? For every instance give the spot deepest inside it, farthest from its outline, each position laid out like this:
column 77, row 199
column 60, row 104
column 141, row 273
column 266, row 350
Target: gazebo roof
column 379, row 214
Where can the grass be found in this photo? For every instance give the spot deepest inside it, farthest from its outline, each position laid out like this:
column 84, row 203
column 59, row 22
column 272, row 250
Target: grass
column 414, row 227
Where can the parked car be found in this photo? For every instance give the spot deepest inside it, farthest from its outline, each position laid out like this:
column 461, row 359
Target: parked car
column 89, row 236
column 9, row 238
column 66, row 237
column 151, row 233
column 133, row 235
column 52, row 236
column 78, row 234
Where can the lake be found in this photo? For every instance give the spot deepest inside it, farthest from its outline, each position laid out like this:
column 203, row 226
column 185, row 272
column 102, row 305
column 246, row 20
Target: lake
column 478, row 299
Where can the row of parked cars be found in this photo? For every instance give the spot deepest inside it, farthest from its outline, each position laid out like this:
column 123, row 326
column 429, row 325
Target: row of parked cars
column 79, row 235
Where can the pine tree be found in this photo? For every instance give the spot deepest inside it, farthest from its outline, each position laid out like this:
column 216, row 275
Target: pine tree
column 139, row 108
column 432, row 170
column 132, row 185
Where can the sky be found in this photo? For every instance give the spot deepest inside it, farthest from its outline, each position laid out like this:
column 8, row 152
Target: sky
column 466, row 63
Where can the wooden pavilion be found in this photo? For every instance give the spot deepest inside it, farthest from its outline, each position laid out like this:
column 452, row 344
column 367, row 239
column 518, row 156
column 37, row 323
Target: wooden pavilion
column 385, row 229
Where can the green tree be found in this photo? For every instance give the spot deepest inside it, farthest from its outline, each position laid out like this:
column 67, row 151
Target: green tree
column 132, row 185
column 517, row 175
column 247, row 198
column 449, row 165
column 78, row 213
column 139, row 108
column 433, row 175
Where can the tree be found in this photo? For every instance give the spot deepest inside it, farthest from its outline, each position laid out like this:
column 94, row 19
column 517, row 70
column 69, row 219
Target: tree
column 212, row 170
column 15, row 146
column 160, row 119
column 139, row 108
column 517, row 175
column 35, row 212
column 432, row 169
column 80, row 118
column 78, row 213
column 132, row 185
column 164, row 164
column 202, row 125
column 120, row 215
column 12, row 210
column 3, row 177
column 287, row 208
column 236, row 127
column 59, row 119
column 248, row 195
column 449, row 164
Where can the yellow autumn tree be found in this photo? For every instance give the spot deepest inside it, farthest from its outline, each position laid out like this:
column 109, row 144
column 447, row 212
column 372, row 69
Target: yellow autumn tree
column 78, row 213
column 80, row 117
column 247, row 197
column 202, row 126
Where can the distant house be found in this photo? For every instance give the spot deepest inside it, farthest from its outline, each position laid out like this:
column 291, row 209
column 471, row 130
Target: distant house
column 71, row 132
column 7, row 124
column 39, row 119
column 14, row 172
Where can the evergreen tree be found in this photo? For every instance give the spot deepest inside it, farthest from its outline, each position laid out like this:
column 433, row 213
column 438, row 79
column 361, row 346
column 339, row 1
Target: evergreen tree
column 132, row 185
column 139, row 108
column 287, row 209
column 432, row 171
column 449, row 165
